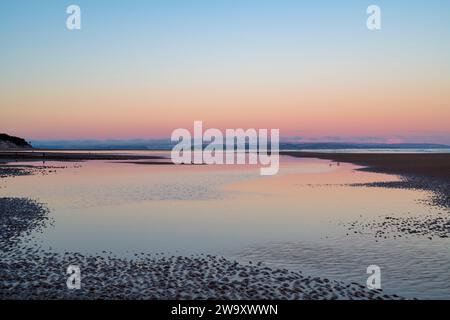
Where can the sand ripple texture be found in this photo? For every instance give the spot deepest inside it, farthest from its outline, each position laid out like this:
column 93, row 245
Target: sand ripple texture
column 31, row 273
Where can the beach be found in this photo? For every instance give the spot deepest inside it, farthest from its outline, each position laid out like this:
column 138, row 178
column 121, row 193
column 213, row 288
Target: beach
column 420, row 171
column 35, row 273
column 77, row 155
column 428, row 165
column 423, row 171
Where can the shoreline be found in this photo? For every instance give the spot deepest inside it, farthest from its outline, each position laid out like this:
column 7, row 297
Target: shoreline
column 50, row 155
column 32, row 273
column 418, row 171
column 429, row 172
column 150, row 277
column 427, row 165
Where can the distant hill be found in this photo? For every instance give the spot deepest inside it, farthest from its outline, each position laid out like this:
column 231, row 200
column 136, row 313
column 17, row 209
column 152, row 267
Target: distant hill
column 166, row 144
column 11, row 142
column 339, row 145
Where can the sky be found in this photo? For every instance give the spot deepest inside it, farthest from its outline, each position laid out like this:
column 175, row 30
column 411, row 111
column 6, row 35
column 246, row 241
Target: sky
column 141, row 69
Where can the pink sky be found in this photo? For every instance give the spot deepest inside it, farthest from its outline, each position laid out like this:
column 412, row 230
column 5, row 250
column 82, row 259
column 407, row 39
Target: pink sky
column 314, row 72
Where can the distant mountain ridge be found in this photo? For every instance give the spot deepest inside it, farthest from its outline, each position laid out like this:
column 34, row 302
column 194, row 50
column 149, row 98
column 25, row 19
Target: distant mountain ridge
column 343, row 145
column 12, row 142
column 165, row 144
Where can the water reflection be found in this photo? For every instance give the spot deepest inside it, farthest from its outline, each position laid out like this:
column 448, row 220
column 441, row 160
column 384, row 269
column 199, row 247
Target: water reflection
column 288, row 220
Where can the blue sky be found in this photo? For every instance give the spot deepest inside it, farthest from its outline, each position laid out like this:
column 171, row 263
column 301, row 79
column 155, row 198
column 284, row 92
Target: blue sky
column 221, row 45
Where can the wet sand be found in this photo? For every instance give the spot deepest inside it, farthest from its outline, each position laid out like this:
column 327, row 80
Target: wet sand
column 18, row 217
column 8, row 156
column 428, row 172
column 428, row 165
column 29, row 272
column 43, row 276
column 32, row 273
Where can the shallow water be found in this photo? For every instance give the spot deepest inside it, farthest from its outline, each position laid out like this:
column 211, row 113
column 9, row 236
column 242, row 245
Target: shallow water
column 292, row 220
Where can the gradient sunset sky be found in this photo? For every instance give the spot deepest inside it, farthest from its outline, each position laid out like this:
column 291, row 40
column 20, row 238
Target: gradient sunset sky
column 140, row 69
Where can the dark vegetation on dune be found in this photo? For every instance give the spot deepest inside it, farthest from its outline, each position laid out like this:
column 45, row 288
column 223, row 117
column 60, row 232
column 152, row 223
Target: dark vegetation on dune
column 7, row 141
